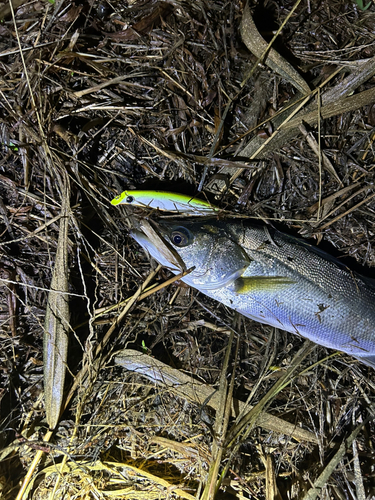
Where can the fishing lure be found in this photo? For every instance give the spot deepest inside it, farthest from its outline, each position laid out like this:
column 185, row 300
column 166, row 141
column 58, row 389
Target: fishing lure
column 166, row 201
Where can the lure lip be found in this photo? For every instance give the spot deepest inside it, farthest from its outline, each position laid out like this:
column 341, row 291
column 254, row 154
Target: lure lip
column 118, row 199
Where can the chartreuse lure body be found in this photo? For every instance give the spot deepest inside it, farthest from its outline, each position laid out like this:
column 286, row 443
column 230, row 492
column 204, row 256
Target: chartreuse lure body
column 166, row 201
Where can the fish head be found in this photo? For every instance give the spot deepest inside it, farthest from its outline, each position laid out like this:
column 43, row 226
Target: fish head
column 203, row 245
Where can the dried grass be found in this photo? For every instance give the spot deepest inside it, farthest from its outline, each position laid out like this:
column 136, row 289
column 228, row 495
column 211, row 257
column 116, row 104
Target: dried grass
column 147, row 94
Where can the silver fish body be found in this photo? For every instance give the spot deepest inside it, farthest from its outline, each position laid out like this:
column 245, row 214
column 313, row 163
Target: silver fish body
column 274, row 279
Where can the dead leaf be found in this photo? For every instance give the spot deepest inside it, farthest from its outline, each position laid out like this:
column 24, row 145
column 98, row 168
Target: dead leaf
column 55, row 341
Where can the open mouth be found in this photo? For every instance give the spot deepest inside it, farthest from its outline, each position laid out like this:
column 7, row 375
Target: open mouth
column 161, row 251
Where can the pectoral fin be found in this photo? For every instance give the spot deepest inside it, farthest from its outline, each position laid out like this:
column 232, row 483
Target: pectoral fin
column 264, row 283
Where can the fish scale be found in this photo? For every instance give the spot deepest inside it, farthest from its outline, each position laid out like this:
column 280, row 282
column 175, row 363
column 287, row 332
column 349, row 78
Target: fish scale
column 321, row 299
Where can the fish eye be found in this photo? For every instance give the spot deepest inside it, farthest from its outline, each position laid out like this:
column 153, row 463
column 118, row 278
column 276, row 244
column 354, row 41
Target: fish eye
column 181, row 237
column 129, row 199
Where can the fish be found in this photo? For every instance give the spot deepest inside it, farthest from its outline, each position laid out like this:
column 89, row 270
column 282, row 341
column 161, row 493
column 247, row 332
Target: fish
column 272, row 278
column 165, row 201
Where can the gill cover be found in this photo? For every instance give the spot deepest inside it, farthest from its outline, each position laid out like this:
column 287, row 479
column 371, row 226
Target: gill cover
column 223, row 271
column 217, row 263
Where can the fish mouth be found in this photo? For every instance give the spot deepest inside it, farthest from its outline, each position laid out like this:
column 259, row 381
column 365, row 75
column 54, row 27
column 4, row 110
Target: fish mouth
column 145, row 243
